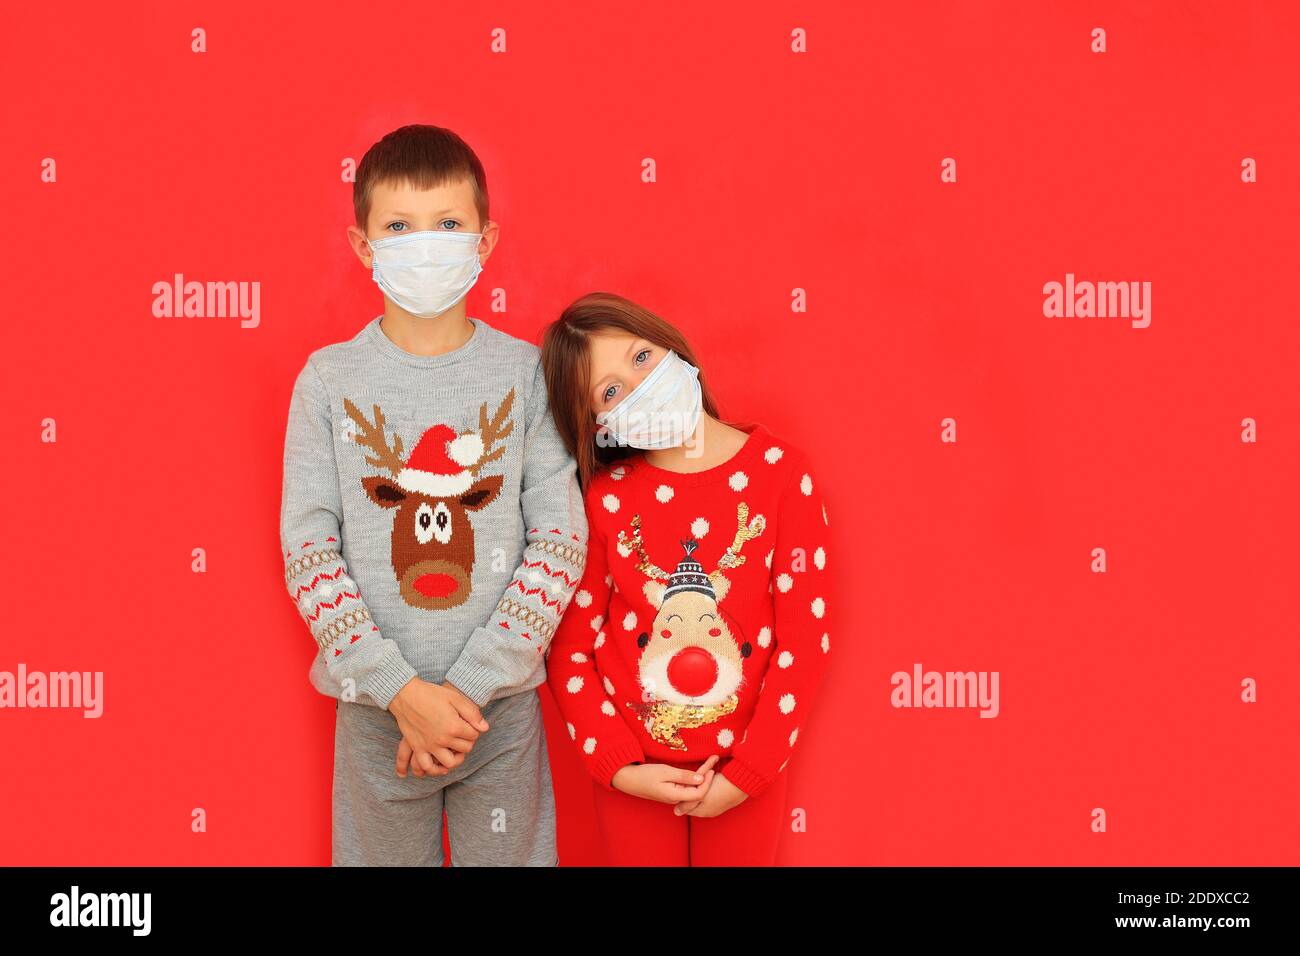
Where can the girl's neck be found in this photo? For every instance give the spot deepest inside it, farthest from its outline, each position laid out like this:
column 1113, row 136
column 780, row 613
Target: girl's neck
column 713, row 443
column 421, row 336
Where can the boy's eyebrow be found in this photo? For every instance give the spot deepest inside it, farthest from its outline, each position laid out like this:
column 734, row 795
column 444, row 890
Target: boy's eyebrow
column 406, row 215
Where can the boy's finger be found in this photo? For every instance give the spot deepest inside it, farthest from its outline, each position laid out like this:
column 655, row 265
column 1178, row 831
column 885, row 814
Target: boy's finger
column 707, row 764
column 448, row 758
column 426, row 762
column 403, row 757
column 469, row 710
column 460, row 744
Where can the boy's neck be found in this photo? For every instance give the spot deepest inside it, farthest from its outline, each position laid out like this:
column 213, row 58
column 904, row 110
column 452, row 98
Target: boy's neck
column 421, row 336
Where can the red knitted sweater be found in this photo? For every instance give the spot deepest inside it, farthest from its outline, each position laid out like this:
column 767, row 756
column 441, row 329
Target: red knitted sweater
column 702, row 622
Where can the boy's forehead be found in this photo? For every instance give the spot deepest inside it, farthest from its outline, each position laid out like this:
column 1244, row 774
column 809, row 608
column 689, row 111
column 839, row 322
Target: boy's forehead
column 402, row 198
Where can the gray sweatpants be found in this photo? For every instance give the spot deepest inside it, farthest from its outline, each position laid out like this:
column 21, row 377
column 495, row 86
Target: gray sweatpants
column 500, row 804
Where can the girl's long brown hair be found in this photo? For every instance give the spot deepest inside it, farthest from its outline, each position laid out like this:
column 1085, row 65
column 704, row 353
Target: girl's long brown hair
column 566, row 363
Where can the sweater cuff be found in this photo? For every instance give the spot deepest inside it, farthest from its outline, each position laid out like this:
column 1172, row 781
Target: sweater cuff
column 390, row 675
column 744, row 776
column 612, row 761
column 476, row 682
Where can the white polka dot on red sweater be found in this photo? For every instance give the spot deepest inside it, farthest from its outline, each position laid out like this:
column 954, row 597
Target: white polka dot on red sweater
column 819, row 558
column 826, row 643
column 773, row 455
column 607, row 709
column 700, row 527
column 738, row 481
column 786, row 703
column 629, row 621
column 573, row 731
column 726, row 738
column 623, row 550
column 794, row 735
column 611, row 503
column 824, row 521
column 582, row 598
column 574, row 685
column 764, row 636
column 609, row 687
column 618, row 472
column 784, row 582
column 818, row 607
column 600, row 640
column 768, row 560
column 578, row 657
column 784, row 659
column 805, row 484
column 589, row 745
column 664, row 493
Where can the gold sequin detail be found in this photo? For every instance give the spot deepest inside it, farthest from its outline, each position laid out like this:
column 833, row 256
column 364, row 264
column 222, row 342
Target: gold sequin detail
column 663, row 720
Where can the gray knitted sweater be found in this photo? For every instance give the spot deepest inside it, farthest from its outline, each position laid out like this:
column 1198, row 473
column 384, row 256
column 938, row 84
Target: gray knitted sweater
column 431, row 522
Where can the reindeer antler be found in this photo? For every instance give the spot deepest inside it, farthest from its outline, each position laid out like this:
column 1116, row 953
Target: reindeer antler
column 492, row 432
column 372, row 437
column 634, row 542
column 745, row 530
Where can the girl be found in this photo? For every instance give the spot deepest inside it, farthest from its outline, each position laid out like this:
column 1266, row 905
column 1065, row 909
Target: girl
column 697, row 639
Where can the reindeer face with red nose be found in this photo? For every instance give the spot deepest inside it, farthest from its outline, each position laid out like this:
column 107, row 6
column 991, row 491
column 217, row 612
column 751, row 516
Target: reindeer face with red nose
column 691, row 663
column 432, row 493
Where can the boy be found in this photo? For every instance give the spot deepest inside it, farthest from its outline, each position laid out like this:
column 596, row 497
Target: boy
column 433, row 533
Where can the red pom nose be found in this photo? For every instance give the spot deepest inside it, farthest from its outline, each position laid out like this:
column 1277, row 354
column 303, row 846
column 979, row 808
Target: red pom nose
column 435, row 585
column 692, row 671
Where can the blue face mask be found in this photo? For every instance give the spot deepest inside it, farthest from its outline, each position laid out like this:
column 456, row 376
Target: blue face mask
column 426, row 273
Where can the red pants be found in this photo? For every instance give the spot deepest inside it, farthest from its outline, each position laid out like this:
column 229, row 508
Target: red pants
column 640, row 832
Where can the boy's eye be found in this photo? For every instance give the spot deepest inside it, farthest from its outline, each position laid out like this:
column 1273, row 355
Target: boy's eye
column 397, row 226
column 642, row 357
column 453, row 222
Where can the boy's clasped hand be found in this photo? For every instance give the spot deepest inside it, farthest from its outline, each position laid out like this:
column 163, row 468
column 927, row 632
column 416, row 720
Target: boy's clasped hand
column 439, row 726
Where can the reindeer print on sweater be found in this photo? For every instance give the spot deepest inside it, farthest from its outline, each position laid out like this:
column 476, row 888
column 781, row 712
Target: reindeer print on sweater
column 690, row 669
column 432, row 493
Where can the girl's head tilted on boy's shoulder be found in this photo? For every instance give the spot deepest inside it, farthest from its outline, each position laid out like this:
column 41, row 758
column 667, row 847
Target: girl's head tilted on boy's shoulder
column 621, row 381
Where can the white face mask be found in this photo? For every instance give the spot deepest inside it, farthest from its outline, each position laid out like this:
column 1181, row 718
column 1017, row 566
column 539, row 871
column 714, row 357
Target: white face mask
column 661, row 412
column 426, row 273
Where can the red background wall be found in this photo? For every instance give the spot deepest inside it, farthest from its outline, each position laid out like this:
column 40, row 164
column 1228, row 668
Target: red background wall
column 775, row 171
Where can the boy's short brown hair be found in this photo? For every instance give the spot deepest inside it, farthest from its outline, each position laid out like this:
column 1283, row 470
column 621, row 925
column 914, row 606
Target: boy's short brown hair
column 425, row 156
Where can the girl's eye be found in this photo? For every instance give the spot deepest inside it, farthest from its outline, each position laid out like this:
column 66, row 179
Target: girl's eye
column 397, row 226
column 609, row 393
column 453, row 222
column 642, row 357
